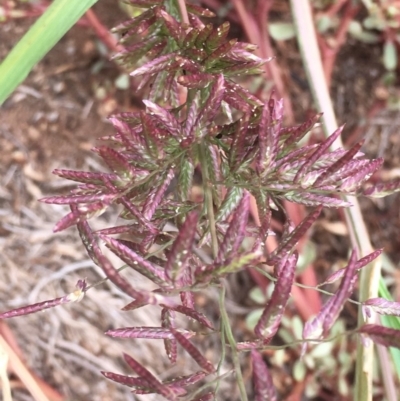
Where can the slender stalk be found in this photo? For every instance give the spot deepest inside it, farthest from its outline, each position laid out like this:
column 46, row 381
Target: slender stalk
column 369, row 279
column 183, row 11
column 209, row 204
column 223, row 355
column 102, row 32
column 225, row 325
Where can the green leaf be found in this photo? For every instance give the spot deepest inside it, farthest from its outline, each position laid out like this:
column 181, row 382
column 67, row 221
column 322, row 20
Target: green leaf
column 281, row 30
column 231, row 200
column 356, row 30
column 257, row 296
column 185, row 178
column 392, row 322
column 122, row 82
column 239, row 262
column 299, row 370
column 389, row 55
column 41, row 37
column 307, row 256
column 252, row 318
column 375, row 22
column 324, row 23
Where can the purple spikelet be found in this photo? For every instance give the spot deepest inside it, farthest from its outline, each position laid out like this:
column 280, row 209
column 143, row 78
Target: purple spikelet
column 262, row 135
column 269, row 128
column 101, row 260
column 164, row 117
column 339, row 164
column 200, row 11
column 213, row 103
column 270, row 320
column 382, row 189
column 75, row 296
column 382, row 306
column 295, row 134
column 181, row 248
column 263, row 387
column 237, row 150
column 68, row 200
column 117, row 162
column 154, row 333
column 155, row 384
column 193, row 352
column 137, row 262
column 84, row 177
column 168, row 321
column 156, row 196
column 196, row 81
column 321, row 324
column 385, row 336
column 184, row 381
column 126, row 380
column 236, row 230
column 154, row 66
column 80, row 213
column 194, row 314
column 172, row 25
column 321, row 149
column 136, row 213
column 364, row 173
column 290, row 241
column 345, row 290
column 359, row 265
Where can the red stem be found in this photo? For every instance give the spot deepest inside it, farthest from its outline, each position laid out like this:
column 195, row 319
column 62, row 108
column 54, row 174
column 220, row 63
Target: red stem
column 215, row 5
column 257, row 33
column 329, row 54
column 272, row 67
column 102, row 32
column 335, row 7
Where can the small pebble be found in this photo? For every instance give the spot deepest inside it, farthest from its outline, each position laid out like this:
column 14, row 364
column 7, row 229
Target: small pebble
column 59, row 87
column 18, row 157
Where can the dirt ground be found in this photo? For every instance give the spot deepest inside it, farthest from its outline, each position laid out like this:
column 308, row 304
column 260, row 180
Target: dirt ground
column 52, row 121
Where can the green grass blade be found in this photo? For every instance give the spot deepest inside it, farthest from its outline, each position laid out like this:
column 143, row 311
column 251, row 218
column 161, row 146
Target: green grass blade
column 41, row 37
column 390, row 321
column 393, row 321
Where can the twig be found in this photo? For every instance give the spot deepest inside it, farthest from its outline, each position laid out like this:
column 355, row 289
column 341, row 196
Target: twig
column 102, row 32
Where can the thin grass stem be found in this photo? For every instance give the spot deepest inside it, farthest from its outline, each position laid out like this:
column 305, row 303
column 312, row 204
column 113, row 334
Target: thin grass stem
column 209, row 204
column 226, row 327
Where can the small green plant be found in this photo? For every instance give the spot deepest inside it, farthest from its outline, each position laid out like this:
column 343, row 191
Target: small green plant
column 239, row 147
